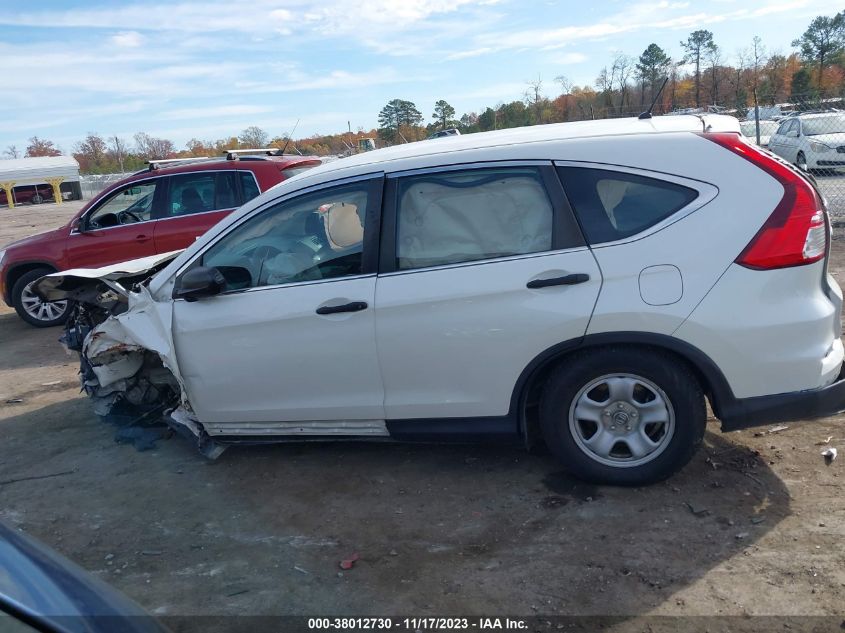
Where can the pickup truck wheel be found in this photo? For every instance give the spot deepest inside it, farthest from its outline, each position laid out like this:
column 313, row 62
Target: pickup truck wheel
column 622, row 416
column 31, row 308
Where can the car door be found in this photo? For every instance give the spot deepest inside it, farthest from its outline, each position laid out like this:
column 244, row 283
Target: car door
column 483, row 268
column 789, row 142
column 194, row 202
column 293, row 336
column 118, row 228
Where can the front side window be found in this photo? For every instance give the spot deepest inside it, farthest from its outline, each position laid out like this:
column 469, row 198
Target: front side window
column 613, row 205
column 128, row 205
column 463, row 216
column 200, row 192
column 309, row 238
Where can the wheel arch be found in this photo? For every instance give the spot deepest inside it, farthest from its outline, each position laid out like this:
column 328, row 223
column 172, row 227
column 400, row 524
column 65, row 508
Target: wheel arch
column 525, row 397
column 17, row 271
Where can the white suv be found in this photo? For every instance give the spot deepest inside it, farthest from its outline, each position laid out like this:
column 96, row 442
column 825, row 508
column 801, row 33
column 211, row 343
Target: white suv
column 584, row 284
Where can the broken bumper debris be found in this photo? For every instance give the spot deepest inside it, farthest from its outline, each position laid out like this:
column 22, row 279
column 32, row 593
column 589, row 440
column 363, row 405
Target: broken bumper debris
column 127, row 364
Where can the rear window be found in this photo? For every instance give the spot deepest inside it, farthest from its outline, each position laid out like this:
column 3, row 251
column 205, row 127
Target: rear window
column 613, row 205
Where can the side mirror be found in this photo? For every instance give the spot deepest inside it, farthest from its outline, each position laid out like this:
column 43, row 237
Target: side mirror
column 199, row 282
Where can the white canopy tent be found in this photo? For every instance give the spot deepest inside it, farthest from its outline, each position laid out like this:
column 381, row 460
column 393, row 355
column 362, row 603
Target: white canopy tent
column 41, row 170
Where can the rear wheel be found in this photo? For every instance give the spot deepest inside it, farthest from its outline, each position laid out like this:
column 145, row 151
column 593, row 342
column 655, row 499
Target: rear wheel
column 622, row 416
column 32, row 308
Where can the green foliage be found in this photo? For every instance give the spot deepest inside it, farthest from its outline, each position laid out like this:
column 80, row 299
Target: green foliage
column 444, row 113
column 823, row 41
column 697, row 45
column 396, row 114
column 653, row 66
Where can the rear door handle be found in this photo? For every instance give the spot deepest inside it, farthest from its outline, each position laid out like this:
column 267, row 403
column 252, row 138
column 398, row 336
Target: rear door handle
column 142, row 238
column 355, row 306
column 566, row 280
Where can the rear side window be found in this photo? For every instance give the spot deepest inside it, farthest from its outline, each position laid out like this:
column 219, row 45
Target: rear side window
column 613, row 205
column 200, row 192
column 248, row 185
column 464, row 216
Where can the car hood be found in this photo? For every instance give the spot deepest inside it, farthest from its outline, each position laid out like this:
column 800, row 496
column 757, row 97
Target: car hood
column 833, row 140
column 55, row 234
column 57, row 286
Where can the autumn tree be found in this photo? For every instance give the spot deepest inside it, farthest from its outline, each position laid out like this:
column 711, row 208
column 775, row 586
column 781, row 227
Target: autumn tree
column 823, row 40
column 152, row 148
column 90, row 153
column 652, row 67
column 697, row 46
column 443, row 113
column 41, row 147
column 254, row 137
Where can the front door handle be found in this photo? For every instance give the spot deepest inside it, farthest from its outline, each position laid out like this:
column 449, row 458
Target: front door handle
column 355, row 306
column 566, row 280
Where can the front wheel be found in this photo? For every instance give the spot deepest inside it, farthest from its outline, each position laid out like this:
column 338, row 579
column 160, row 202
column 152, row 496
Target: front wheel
column 32, row 308
column 622, row 416
column 801, row 163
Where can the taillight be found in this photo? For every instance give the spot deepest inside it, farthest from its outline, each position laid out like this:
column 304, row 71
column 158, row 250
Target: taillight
column 795, row 233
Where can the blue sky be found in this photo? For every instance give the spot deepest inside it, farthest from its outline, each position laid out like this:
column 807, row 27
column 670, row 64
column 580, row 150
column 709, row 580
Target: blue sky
column 208, row 69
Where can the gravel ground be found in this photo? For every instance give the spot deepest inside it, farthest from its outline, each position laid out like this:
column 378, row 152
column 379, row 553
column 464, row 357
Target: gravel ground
column 753, row 526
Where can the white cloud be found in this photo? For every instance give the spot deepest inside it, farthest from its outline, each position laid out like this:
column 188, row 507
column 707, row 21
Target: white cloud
column 127, row 39
column 564, row 59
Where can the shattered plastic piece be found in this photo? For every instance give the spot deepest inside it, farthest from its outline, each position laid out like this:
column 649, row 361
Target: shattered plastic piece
column 829, row 455
column 348, row 563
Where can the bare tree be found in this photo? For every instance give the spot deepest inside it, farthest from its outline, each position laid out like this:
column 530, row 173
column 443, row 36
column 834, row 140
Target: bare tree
column 254, row 137
column 11, row 152
column 118, row 150
column 565, row 84
column 715, row 59
column 739, row 70
column 534, row 98
column 623, row 67
column 151, row 148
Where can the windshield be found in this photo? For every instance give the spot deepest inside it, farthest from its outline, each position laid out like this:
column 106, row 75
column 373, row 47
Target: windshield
column 767, row 128
column 833, row 124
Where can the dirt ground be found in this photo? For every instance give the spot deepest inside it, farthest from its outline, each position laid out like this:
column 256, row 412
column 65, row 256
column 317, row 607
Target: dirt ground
column 753, row 526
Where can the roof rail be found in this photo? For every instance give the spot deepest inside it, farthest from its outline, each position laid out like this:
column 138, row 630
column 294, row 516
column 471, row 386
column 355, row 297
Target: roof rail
column 166, row 162
column 234, row 154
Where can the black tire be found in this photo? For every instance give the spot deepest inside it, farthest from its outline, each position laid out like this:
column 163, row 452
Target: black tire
column 18, row 300
column 37, row 199
column 673, row 379
column 801, row 162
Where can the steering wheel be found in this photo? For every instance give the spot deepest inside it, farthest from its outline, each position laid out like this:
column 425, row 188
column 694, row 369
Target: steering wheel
column 126, row 213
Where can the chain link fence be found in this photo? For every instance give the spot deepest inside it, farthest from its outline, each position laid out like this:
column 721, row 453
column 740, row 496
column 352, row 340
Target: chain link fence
column 93, row 184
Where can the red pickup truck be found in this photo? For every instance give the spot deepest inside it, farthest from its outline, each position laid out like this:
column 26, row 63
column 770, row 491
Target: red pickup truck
column 153, row 211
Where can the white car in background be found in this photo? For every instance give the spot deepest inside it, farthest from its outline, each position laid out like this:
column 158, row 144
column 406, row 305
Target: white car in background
column 767, row 128
column 811, row 141
column 588, row 285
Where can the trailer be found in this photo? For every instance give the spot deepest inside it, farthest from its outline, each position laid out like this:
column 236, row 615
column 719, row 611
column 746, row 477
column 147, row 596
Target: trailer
column 39, row 179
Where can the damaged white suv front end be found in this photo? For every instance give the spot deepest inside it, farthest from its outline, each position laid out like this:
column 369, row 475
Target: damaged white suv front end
column 127, row 362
